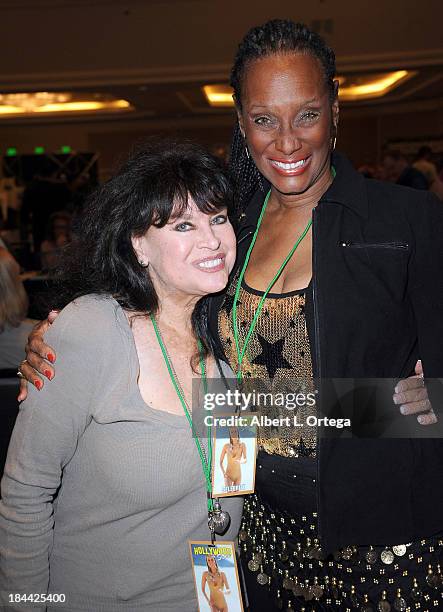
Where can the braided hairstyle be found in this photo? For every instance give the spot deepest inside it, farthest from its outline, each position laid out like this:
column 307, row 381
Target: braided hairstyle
column 277, row 36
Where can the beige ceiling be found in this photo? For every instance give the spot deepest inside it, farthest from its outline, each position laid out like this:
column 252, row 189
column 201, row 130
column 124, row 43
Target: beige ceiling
column 158, row 54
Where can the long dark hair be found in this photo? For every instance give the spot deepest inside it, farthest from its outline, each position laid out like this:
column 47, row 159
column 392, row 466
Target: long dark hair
column 154, row 183
column 274, row 37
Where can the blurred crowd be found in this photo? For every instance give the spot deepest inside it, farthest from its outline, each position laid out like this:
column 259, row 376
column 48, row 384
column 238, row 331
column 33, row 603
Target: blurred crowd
column 36, row 219
column 422, row 171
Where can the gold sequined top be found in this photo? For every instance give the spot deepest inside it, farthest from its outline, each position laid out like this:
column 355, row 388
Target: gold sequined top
column 278, row 360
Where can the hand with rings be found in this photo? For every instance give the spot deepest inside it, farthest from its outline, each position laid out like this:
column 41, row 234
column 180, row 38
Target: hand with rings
column 19, row 371
column 39, row 358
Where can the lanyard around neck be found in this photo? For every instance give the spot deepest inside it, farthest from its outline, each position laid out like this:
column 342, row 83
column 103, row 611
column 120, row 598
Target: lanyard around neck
column 242, row 351
column 205, row 459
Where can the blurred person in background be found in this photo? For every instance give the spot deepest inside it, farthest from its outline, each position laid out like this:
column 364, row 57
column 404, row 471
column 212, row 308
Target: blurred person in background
column 58, row 235
column 367, row 170
column 45, row 195
column 14, row 326
column 398, row 170
column 424, row 164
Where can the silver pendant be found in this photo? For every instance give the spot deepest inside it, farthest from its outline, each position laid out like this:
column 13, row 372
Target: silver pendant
column 399, row 550
column 288, row 583
column 432, row 580
column 387, row 556
column 400, row 604
column 346, row 553
column 243, row 535
column 262, row 579
column 297, row 589
column 317, row 591
column 257, row 556
column 218, row 519
column 416, row 594
column 371, row 556
column 284, row 555
column 308, row 594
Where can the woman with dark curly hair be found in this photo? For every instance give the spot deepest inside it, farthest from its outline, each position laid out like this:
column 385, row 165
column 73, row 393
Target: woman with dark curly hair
column 103, row 484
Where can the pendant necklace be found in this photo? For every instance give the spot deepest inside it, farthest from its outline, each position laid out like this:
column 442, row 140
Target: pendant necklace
column 241, row 351
column 218, row 519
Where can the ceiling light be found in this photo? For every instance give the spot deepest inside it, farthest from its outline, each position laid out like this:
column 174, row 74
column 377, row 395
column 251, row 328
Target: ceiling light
column 372, row 85
column 219, row 95
column 83, row 105
column 353, row 87
column 7, row 109
column 28, row 104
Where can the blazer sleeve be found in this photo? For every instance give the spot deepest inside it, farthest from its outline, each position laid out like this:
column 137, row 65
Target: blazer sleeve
column 425, row 289
column 45, row 437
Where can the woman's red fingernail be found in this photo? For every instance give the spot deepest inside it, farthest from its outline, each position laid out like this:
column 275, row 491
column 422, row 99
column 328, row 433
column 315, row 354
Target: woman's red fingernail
column 38, row 384
column 51, row 357
column 48, row 374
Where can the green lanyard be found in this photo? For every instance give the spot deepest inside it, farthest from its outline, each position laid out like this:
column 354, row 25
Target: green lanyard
column 205, row 460
column 242, row 351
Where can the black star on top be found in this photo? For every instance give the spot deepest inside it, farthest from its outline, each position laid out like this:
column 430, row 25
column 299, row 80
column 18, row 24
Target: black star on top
column 271, row 356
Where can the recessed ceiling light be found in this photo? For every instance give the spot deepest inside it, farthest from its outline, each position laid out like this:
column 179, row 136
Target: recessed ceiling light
column 29, row 104
column 219, row 95
column 357, row 87
column 372, row 85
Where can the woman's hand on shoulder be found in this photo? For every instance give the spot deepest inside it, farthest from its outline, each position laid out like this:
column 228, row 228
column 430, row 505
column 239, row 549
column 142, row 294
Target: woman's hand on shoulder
column 39, row 357
column 412, row 397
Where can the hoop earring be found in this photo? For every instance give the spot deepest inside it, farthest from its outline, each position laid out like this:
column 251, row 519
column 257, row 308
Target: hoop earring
column 247, row 151
column 334, row 140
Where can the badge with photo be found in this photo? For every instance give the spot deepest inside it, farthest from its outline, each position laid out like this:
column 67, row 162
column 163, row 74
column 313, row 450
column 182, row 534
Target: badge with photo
column 216, row 576
column 234, row 454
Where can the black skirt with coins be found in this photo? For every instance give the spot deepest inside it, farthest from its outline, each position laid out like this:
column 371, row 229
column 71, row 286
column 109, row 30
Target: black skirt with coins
column 285, row 568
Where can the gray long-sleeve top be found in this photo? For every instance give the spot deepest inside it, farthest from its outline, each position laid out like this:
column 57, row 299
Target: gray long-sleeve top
column 132, row 489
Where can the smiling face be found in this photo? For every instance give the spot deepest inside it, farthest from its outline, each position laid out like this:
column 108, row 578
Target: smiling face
column 191, row 256
column 288, row 120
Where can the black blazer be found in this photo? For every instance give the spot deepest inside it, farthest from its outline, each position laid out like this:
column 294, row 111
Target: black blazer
column 375, row 306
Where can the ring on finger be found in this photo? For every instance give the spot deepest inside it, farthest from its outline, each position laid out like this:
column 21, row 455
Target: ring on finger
column 19, row 371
